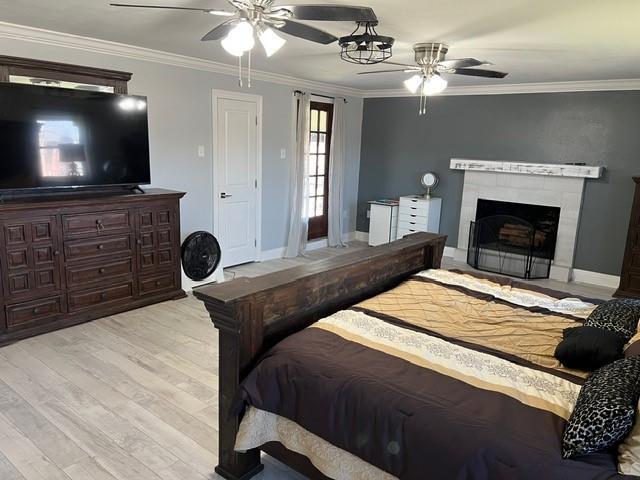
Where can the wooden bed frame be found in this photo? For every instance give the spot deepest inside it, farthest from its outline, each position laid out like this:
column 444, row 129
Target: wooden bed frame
column 252, row 314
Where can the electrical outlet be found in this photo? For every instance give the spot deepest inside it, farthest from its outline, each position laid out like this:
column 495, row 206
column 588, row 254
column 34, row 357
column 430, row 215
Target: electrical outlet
column 201, row 151
column 368, row 213
column 283, row 153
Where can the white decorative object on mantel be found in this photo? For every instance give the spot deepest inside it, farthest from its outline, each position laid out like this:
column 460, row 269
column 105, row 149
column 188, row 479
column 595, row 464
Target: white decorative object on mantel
column 547, row 169
column 555, row 185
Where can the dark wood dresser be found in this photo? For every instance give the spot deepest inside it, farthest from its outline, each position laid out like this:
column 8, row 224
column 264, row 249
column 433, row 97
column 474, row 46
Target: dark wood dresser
column 69, row 259
column 630, row 275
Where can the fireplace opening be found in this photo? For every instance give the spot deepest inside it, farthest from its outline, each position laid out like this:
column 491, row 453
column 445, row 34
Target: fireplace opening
column 514, row 239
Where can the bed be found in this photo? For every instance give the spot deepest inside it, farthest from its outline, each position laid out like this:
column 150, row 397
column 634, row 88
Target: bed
column 377, row 364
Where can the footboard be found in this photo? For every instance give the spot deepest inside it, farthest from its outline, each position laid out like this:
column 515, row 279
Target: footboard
column 253, row 314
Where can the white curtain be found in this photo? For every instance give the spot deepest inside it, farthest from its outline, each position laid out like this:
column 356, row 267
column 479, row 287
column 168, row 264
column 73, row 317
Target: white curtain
column 299, row 189
column 336, row 175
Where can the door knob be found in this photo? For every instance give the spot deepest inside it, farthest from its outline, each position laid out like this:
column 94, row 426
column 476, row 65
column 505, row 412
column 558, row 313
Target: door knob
column 225, row 195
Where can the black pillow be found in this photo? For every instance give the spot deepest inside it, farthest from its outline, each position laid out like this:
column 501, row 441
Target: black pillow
column 588, row 348
column 606, row 409
column 620, row 315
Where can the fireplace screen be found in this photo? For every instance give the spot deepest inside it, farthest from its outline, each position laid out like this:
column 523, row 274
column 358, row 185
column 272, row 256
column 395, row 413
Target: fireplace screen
column 513, row 239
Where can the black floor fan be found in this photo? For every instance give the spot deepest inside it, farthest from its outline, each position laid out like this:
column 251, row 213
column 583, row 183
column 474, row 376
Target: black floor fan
column 200, row 255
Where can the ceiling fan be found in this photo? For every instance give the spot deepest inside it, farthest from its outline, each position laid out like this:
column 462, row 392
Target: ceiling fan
column 431, row 63
column 263, row 18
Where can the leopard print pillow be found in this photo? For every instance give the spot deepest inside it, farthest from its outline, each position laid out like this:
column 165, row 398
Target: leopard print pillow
column 606, row 409
column 620, row 316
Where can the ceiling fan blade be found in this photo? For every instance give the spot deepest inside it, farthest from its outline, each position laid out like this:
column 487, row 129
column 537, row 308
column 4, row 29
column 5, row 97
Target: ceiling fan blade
column 405, row 70
column 387, row 62
column 167, row 7
column 472, row 72
column 307, row 32
column 335, row 13
column 463, row 62
column 219, row 32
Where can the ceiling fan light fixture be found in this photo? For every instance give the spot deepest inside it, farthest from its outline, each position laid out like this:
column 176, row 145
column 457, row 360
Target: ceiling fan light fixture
column 434, row 84
column 364, row 46
column 413, row 84
column 239, row 39
column 270, row 40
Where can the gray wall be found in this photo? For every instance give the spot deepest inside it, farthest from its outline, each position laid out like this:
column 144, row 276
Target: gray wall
column 180, row 119
column 598, row 128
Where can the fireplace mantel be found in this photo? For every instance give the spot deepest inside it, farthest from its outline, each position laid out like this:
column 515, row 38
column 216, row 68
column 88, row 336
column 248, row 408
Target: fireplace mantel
column 547, row 169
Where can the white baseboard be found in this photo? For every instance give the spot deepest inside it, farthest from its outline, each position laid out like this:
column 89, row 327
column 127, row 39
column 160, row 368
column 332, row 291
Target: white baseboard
column 216, row 277
column 362, row 236
column 449, row 252
column 313, row 245
column 596, row 278
column 271, row 254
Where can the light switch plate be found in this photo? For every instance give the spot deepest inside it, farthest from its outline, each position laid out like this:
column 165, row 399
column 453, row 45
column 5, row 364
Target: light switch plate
column 283, row 153
column 201, row 151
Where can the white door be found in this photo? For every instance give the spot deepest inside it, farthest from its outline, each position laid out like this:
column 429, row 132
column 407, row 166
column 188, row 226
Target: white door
column 236, row 179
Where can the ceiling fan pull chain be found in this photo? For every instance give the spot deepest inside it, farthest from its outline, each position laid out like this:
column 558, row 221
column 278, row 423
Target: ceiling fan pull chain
column 240, row 71
column 249, row 71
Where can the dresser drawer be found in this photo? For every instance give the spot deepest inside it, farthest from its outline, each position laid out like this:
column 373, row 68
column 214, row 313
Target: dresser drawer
column 29, row 314
column 96, row 223
column 413, row 227
column 404, row 231
column 97, row 247
column 82, row 275
column 86, row 299
column 157, row 283
column 415, row 211
column 415, row 202
column 413, row 220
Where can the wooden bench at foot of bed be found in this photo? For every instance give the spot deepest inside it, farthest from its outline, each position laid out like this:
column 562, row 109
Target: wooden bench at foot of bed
column 252, row 314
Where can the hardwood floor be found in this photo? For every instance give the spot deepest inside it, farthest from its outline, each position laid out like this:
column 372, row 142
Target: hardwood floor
column 128, row 397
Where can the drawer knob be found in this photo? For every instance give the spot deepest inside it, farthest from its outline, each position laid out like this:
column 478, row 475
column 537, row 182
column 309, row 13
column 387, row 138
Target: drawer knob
column 103, row 296
column 139, row 242
column 36, row 311
column 56, row 252
column 100, row 247
column 102, row 270
column 158, row 283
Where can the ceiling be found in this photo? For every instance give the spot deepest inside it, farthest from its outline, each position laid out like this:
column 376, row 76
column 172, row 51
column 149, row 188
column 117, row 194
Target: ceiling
column 535, row 41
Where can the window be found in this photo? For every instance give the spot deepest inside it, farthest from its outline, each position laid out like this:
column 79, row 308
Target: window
column 61, row 151
column 318, row 168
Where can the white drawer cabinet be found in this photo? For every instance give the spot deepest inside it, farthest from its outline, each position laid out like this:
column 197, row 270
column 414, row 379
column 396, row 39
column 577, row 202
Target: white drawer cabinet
column 383, row 223
column 418, row 214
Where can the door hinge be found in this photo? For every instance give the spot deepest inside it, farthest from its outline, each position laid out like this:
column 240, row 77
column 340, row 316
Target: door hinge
column 256, row 120
column 256, row 183
column 255, row 242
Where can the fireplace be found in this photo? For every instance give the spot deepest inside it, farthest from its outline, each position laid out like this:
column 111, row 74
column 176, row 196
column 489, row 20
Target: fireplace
column 516, row 239
column 555, row 185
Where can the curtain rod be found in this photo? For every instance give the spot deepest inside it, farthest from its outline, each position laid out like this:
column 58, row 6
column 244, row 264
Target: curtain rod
column 318, row 95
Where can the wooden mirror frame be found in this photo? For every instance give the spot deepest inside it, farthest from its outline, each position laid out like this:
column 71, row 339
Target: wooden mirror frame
column 63, row 72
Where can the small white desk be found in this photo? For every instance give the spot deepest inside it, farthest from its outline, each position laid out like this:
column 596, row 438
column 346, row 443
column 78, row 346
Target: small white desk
column 383, row 222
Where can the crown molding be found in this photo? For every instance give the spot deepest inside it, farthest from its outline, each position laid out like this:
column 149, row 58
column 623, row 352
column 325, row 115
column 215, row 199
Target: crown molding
column 515, row 88
column 67, row 40
column 87, row 44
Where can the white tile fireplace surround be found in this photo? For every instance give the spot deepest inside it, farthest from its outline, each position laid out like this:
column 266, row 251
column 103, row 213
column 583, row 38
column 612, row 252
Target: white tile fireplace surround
column 554, row 185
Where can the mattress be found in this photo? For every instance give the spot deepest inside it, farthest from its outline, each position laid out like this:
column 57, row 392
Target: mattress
column 448, row 375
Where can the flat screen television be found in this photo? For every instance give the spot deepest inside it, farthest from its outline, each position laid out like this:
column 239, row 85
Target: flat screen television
column 52, row 138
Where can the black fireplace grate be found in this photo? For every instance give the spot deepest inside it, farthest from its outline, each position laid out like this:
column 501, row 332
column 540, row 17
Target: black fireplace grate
column 511, row 245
